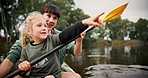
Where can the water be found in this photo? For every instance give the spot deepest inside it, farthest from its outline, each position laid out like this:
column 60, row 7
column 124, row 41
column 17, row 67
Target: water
column 111, row 62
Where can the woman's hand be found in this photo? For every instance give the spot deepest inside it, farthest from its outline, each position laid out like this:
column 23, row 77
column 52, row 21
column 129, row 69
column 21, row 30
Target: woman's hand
column 82, row 35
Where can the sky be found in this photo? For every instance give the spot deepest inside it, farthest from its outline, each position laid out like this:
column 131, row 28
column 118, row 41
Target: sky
column 136, row 8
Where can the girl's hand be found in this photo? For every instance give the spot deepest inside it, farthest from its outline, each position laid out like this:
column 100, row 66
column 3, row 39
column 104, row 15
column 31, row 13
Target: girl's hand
column 24, row 66
column 93, row 21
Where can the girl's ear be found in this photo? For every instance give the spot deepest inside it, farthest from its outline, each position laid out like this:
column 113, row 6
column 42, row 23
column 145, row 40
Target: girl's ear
column 28, row 31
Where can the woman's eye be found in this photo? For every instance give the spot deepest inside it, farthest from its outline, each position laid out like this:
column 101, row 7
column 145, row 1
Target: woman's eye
column 55, row 18
column 49, row 15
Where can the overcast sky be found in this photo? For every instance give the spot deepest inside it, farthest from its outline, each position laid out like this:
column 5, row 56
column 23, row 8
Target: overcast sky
column 136, row 8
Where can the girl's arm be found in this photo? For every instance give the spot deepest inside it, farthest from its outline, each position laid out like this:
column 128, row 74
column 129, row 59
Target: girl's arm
column 71, row 32
column 76, row 29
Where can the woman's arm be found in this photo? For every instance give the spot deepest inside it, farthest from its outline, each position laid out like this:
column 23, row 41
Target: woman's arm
column 5, row 67
column 15, row 52
column 78, row 46
column 9, row 62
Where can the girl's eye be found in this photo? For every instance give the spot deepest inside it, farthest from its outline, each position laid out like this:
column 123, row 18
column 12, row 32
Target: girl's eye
column 45, row 25
column 39, row 25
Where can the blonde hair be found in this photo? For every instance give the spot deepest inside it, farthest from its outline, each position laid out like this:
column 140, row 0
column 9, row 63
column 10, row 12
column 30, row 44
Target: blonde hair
column 26, row 38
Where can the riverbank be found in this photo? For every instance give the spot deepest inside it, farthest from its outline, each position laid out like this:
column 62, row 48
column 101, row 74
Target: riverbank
column 113, row 43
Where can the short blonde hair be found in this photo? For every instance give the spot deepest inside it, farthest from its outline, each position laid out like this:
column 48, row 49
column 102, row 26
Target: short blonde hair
column 26, row 38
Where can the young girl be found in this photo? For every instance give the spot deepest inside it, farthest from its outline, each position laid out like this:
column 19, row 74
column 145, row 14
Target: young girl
column 36, row 31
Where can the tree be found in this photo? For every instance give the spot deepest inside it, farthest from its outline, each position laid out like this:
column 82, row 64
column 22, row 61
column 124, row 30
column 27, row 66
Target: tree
column 5, row 20
column 141, row 30
column 119, row 28
column 13, row 13
column 69, row 14
column 116, row 27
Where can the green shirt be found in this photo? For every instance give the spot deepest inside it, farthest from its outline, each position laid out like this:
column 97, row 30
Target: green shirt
column 15, row 50
column 47, row 66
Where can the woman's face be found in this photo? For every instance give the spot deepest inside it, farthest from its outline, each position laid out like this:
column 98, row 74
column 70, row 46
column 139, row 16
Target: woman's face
column 51, row 20
column 39, row 30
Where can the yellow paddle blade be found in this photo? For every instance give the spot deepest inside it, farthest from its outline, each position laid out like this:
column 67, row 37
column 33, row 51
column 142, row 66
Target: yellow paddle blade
column 115, row 13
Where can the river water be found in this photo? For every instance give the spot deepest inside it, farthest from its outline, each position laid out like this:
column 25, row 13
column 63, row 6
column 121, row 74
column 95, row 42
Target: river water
column 111, row 62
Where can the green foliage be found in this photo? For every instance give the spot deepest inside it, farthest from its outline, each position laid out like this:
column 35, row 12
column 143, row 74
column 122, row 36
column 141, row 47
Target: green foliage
column 4, row 46
column 119, row 28
column 69, row 14
column 13, row 14
column 141, row 30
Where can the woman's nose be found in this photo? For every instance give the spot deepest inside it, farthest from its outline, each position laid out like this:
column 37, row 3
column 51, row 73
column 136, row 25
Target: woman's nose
column 50, row 19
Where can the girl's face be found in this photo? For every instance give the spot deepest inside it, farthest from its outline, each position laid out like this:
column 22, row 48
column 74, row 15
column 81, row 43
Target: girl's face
column 51, row 20
column 39, row 29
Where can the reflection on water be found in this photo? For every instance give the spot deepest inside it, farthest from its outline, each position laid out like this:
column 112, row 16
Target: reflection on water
column 116, row 71
column 112, row 56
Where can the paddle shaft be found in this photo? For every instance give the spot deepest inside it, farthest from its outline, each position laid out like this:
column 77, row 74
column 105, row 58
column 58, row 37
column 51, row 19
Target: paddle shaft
column 46, row 54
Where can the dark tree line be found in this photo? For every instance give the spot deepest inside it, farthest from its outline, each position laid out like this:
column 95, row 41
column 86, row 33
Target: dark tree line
column 123, row 27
